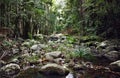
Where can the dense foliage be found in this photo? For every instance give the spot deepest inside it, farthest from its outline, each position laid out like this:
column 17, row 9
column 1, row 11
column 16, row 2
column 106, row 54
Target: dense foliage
column 102, row 17
column 26, row 17
column 84, row 17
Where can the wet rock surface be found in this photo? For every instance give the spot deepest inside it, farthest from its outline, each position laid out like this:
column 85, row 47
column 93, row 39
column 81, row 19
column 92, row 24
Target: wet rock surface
column 112, row 55
column 51, row 69
column 9, row 70
column 38, row 47
column 29, row 71
column 52, row 55
column 108, row 50
column 115, row 66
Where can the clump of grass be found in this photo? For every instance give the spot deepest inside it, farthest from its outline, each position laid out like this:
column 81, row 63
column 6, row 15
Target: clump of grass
column 83, row 53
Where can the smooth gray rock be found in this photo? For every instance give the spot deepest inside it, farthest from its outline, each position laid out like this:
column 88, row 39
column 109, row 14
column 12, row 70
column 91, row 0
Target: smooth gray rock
column 35, row 47
column 115, row 66
column 112, row 55
column 53, row 68
column 29, row 72
column 54, row 54
column 38, row 47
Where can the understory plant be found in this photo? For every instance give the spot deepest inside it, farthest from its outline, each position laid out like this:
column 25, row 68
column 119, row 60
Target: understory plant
column 71, row 39
column 82, row 53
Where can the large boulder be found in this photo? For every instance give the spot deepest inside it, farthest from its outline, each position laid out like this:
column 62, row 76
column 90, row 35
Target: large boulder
column 112, row 55
column 115, row 66
column 33, row 72
column 53, row 69
column 10, row 69
column 29, row 72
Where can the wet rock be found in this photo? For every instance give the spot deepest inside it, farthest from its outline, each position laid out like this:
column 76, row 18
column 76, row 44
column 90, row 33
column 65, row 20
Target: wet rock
column 110, row 44
column 111, row 48
column 28, row 72
column 53, row 68
column 33, row 72
column 108, row 51
column 103, row 44
column 38, row 47
column 112, row 55
column 115, row 66
column 35, row 47
column 51, row 56
column 54, row 54
column 11, row 69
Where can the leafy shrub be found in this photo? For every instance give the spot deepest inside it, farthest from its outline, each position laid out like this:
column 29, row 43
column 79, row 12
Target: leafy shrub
column 71, row 39
column 82, row 53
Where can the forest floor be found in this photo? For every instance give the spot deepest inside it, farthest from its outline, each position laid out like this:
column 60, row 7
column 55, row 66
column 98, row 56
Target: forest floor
column 88, row 59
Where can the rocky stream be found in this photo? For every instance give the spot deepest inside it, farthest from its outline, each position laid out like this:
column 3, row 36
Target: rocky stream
column 59, row 56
